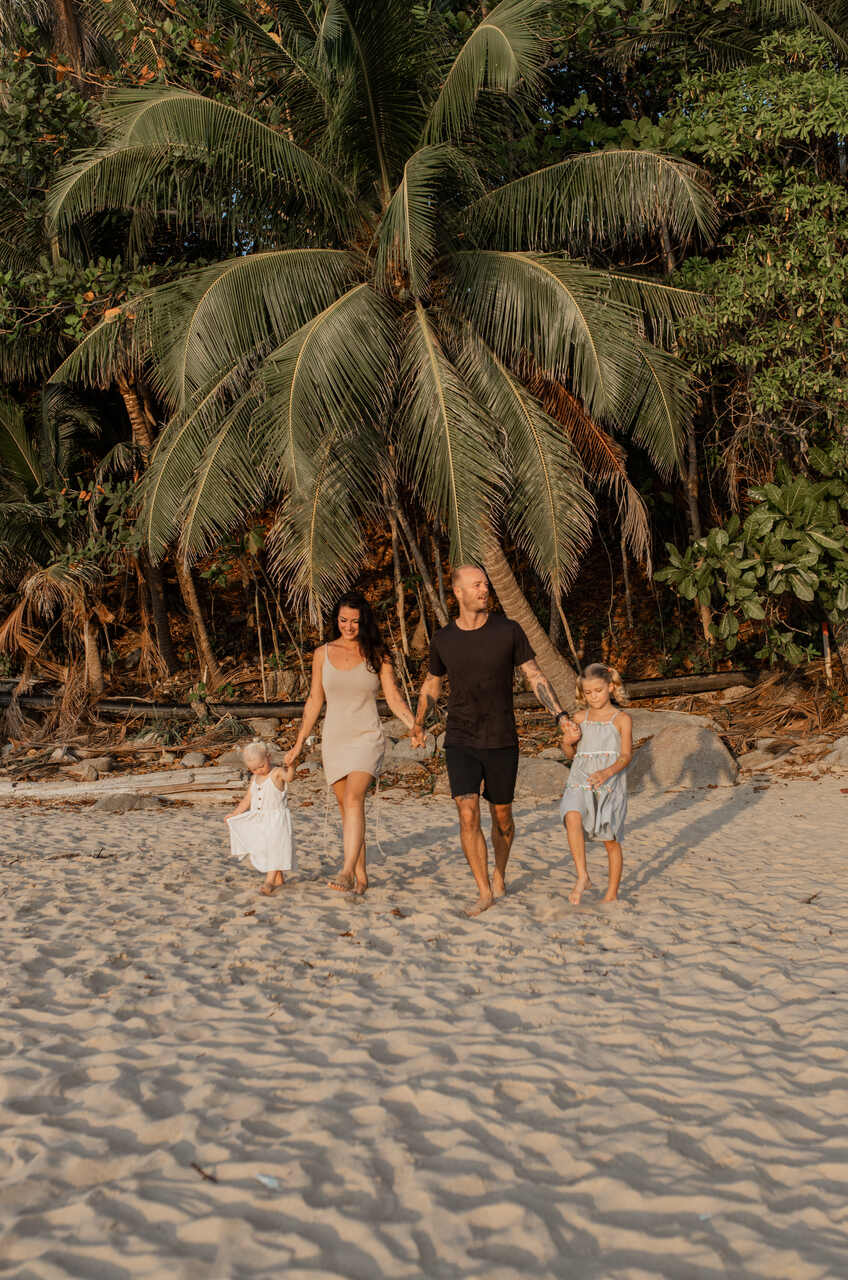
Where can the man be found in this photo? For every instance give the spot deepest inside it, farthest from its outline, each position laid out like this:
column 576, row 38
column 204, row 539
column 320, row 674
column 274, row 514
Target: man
column 478, row 652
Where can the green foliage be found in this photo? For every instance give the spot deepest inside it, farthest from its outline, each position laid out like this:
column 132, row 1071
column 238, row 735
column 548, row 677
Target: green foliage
column 777, row 574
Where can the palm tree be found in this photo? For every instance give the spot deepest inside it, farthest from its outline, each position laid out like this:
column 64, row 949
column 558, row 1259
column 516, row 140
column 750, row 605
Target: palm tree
column 395, row 312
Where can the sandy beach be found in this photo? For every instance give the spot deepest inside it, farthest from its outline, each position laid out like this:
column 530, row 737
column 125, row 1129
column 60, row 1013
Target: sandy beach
column 199, row 1082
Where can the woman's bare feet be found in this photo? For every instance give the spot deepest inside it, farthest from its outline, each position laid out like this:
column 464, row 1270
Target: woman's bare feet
column 480, row 905
column 498, row 884
column 361, row 886
column 272, row 881
column 343, row 883
column 611, row 895
column 581, row 884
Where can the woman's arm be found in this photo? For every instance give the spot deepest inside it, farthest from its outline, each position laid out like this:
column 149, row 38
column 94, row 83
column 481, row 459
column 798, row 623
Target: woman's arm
column 625, row 727
column 427, row 699
column 312, row 709
column 242, row 806
column 397, row 702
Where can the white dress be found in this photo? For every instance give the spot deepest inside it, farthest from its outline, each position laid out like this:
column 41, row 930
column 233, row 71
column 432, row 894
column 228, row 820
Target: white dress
column 264, row 832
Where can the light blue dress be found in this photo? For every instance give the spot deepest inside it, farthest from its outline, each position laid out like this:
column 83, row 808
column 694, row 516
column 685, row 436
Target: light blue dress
column 603, row 808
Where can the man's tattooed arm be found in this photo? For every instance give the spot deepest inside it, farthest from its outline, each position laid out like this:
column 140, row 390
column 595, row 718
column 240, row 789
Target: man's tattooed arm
column 541, row 687
column 426, row 702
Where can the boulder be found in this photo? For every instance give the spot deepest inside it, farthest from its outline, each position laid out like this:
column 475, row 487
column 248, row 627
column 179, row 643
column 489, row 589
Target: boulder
column 552, row 753
column 193, row 760
column 540, row 777
column 837, row 757
column 401, row 749
column 124, row 801
column 63, row 755
column 647, row 724
column 395, row 729
column 103, row 764
column 680, row 756
column 440, row 741
column 264, row 726
column 233, row 758
column 167, row 757
column 85, row 772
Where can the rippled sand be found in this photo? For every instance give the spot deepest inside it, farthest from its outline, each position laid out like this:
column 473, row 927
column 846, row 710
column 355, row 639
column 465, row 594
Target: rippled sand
column 381, row 1088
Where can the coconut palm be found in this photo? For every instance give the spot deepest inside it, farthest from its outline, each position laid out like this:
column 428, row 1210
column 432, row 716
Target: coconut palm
column 396, row 314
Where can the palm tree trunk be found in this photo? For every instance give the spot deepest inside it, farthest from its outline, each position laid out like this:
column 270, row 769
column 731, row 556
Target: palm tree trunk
column 516, row 606
column 420, row 564
column 198, row 622
column 93, row 666
column 159, row 609
column 142, row 437
column 66, row 40
column 400, row 600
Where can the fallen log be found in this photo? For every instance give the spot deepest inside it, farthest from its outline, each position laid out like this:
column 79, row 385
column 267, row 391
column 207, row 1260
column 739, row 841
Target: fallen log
column 220, row 779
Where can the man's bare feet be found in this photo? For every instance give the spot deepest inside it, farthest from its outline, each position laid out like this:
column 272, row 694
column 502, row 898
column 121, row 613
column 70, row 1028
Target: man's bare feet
column 609, row 897
column 498, row 884
column 480, row 905
column 582, row 883
column 361, row 886
column 342, row 883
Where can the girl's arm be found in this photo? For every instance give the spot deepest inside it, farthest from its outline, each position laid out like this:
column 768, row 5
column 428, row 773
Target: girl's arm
column 397, row 703
column 242, row 806
column 282, row 775
column 569, row 743
column 625, row 727
column 312, row 710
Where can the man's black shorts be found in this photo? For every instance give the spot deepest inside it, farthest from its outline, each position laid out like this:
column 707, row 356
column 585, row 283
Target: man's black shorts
column 495, row 767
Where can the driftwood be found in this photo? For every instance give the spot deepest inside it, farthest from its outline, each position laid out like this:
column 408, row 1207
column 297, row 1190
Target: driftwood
column 217, row 779
column 130, row 707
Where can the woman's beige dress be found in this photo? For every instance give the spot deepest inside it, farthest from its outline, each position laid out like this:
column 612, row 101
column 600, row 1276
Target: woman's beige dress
column 353, row 739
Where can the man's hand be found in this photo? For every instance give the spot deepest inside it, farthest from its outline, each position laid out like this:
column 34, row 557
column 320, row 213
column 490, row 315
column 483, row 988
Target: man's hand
column 417, row 735
column 571, row 732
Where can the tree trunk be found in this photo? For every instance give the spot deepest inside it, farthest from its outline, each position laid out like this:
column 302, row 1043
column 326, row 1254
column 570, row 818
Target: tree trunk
column 93, row 666
column 142, row 436
column 67, row 42
column 420, row 564
column 198, row 622
column 515, row 605
column 159, row 609
column 400, row 601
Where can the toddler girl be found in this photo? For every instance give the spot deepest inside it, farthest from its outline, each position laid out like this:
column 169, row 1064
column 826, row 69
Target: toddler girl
column 594, row 803
column 261, row 827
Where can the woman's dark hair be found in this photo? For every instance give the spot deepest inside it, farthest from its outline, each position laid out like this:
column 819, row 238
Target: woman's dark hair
column 370, row 641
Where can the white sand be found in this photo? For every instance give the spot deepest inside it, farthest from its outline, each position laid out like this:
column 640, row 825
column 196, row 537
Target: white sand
column 655, row 1090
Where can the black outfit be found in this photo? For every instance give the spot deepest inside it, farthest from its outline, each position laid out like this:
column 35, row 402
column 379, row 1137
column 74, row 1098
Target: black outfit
column 481, row 743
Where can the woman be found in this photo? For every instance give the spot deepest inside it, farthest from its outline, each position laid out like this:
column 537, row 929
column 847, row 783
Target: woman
column 348, row 672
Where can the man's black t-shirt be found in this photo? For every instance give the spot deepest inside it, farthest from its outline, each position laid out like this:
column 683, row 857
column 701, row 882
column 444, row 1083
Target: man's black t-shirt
column 479, row 665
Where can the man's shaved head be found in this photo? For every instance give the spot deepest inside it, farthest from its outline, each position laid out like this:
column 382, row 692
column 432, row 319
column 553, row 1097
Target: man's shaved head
column 464, row 568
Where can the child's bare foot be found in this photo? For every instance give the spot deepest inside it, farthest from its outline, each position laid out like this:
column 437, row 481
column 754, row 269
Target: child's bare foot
column 480, row 905
column 498, row 884
column 342, row 883
column 582, row 883
column 271, row 883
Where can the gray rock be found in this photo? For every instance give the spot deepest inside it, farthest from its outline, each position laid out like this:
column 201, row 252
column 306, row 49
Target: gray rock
column 103, row 764
column 540, row 777
column 552, row 753
column 395, row 728
column 264, row 726
column 193, row 760
column 402, row 749
column 167, row 757
column 85, row 772
column 6, row 750
column 679, row 756
column 124, row 801
column 837, row 757
column 756, row 761
column 440, row 742
column 647, row 724
column 63, row 755
column 233, row 757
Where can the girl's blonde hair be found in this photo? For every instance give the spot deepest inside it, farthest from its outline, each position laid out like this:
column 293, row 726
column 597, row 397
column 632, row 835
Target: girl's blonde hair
column 597, row 671
column 252, row 750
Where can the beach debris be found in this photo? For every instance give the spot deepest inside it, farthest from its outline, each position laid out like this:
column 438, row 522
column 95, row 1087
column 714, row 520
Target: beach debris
column 62, row 755
column 209, row 1177
column 268, row 1180
column 401, row 915
column 103, row 764
column 837, row 757
column 193, row 760
column 812, row 897
column 682, row 755
column 264, row 726
column 85, row 772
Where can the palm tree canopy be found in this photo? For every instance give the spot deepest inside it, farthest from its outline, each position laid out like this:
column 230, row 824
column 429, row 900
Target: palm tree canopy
column 400, row 307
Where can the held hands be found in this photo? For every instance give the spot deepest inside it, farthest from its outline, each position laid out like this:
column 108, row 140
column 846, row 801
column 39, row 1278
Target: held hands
column 290, row 758
column 571, row 733
column 416, row 735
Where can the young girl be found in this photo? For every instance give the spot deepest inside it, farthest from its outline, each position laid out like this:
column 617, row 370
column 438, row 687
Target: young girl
column 260, row 826
column 594, row 803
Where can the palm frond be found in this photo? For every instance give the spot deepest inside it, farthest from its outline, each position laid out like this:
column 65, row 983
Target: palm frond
column 445, row 440
column 337, row 371
column 596, row 197
column 505, row 50
column 154, row 129
column 20, row 467
column 662, row 404
column 659, row 305
column 549, row 509
column 408, row 242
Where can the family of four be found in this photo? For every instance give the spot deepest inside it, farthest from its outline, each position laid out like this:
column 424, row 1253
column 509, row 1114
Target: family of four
column 478, row 653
